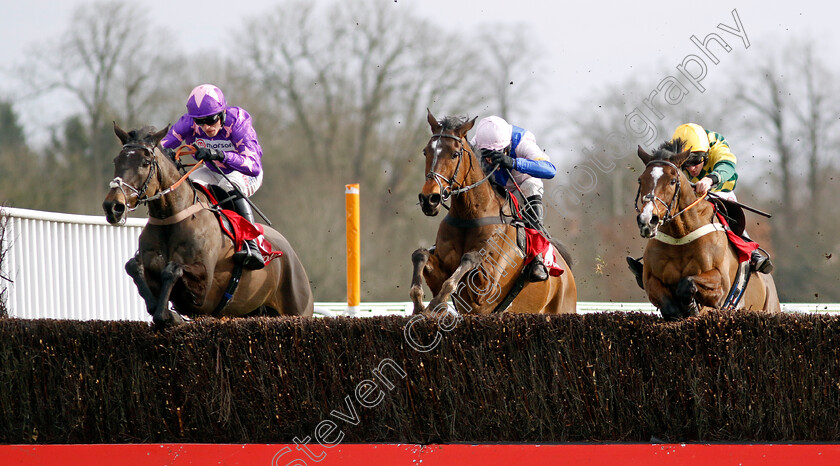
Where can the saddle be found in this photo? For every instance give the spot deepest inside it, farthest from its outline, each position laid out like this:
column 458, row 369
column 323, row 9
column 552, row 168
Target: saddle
column 238, row 228
column 533, row 242
column 731, row 216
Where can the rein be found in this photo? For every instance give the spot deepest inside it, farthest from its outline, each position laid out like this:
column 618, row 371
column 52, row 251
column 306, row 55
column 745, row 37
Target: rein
column 119, row 183
column 447, row 192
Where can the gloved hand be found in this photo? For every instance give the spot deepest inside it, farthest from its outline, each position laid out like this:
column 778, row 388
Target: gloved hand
column 703, row 185
column 208, row 155
column 495, row 157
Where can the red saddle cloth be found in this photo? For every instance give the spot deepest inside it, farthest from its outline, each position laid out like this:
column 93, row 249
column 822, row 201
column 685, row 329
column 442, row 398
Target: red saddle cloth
column 242, row 230
column 536, row 243
column 744, row 247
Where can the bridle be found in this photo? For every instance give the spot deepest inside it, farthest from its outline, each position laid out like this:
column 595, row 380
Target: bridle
column 674, row 200
column 140, row 194
column 447, row 191
column 118, row 183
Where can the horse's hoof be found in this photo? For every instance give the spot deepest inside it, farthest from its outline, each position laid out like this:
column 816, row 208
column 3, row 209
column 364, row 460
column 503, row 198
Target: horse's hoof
column 172, row 320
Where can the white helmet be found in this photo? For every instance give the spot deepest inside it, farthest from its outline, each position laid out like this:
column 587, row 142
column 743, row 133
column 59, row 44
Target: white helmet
column 493, row 133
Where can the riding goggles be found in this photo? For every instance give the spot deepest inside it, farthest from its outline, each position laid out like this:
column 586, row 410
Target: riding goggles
column 695, row 159
column 208, row 120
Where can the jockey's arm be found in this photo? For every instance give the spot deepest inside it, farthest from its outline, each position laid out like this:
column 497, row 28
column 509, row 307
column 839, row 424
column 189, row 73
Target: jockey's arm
column 531, row 160
column 537, row 168
column 247, row 156
column 722, row 162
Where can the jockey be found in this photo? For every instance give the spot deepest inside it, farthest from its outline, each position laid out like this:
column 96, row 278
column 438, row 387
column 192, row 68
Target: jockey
column 711, row 167
column 227, row 143
column 521, row 162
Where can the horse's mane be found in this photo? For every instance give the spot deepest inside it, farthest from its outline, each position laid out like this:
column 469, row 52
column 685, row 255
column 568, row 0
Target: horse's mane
column 668, row 149
column 452, row 122
column 142, row 135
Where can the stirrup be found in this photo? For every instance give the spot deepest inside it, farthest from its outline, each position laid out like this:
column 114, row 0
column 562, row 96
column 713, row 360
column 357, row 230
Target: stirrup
column 537, row 270
column 249, row 256
column 760, row 261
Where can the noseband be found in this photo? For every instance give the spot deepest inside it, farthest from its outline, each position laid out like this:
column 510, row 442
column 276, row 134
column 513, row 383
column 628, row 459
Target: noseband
column 446, row 192
column 653, row 198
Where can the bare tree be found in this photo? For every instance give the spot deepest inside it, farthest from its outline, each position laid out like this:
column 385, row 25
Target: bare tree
column 511, row 66
column 107, row 60
column 347, row 88
column 793, row 102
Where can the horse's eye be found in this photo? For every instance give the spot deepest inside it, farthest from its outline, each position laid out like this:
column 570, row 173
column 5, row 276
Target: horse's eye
column 456, row 154
column 673, row 181
column 146, row 163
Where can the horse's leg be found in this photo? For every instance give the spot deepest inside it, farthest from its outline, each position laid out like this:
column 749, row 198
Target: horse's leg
column 134, row 269
column 419, row 258
column 660, row 296
column 163, row 317
column 468, row 262
column 702, row 289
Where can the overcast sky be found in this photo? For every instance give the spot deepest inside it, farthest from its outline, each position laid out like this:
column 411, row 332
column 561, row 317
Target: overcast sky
column 587, row 44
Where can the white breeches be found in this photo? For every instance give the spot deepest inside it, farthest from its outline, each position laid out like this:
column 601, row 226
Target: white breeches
column 248, row 185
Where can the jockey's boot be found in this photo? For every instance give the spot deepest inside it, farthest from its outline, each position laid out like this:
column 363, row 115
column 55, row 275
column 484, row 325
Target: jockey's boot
column 636, row 267
column 249, row 256
column 760, row 261
column 533, row 212
column 537, row 270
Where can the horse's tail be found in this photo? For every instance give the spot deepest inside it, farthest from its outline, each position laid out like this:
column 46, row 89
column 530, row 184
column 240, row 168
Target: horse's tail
column 564, row 251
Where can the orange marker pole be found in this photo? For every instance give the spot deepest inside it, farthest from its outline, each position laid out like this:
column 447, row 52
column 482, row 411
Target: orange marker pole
column 354, row 282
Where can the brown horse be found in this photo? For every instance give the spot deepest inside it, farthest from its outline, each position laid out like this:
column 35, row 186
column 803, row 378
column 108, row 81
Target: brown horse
column 689, row 262
column 183, row 255
column 476, row 260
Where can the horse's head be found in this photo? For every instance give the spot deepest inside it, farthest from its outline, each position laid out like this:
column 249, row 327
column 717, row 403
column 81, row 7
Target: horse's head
column 659, row 186
column 445, row 154
column 136, row 172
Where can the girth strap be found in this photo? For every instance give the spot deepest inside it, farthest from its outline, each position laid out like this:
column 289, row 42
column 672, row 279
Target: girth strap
column 512, row 294
column 231, row 288
column 739, row 285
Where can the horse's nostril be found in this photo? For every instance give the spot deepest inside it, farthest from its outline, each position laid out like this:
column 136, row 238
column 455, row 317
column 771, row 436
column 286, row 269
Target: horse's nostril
column 434, row 199
column 119, row 209
column 654, row 220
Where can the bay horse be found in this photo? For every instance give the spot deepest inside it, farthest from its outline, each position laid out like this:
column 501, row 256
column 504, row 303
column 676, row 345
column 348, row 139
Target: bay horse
column 183, row 256
column 689, row 263
column 476, row 260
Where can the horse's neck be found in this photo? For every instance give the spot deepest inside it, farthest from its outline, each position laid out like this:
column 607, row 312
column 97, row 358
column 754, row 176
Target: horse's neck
column 174, row 201
column 691, row 219
column 480, row 201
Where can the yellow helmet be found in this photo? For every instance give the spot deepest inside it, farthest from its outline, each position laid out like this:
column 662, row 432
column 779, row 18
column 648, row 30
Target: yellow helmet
column 694, row 137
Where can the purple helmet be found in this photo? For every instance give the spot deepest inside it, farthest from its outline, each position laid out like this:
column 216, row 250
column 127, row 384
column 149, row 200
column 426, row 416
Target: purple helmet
column 205, row 100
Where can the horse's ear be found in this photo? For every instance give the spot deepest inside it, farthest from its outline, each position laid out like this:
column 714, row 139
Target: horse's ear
column 644, row 155
column 463, row 129
column 122, row 135
column 678, row 159
column 160, row 134
column 433, row 122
